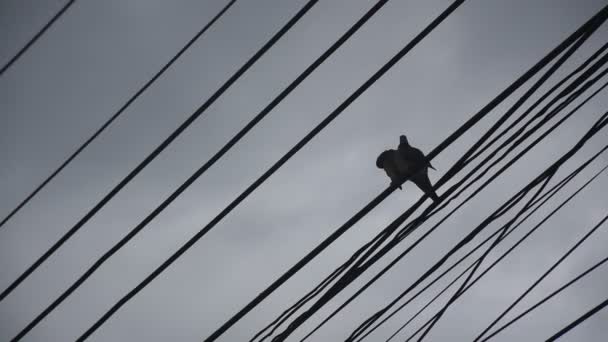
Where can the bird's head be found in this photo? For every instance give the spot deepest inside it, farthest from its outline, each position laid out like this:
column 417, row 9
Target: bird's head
column 403, row 140
column 381, row 158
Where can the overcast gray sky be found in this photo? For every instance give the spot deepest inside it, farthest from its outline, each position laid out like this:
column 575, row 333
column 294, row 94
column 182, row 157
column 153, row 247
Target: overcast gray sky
column 100, row 52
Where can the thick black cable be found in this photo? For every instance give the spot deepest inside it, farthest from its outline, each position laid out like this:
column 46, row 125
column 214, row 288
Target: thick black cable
column 180, row 129
column 215, row 158
column 548, row 297
column 501, row 211
column 377, row 276
column 36, row 36
column 538, row 204
column 108, row 123
column 557, row 187
column 538, row 281
column 578, row 321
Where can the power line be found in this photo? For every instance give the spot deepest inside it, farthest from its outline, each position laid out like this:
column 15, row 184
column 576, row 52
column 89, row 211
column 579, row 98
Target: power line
column 371, row 205
column 379, row 198
column 258, row 54
column 445, row 203
column 543, row 200
column 36, row 36
column 459, row 293
column 262, row 178
column 540, row 279
column 545, row 299
column 497, row 214
column 112, row 119
column 587, row 85
column 358, row 269
column 465, row 286
column 210, row 162
column 162, row 146
column 578, row 321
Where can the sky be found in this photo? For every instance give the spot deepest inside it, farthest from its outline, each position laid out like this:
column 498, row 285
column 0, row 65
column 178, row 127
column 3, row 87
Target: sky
column 100, row 52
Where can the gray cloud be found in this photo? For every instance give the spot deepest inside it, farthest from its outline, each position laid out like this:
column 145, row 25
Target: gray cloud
column 99, row 53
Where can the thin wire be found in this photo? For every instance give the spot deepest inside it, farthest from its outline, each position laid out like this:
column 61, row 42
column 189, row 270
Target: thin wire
column 548, row 297
column 578, row 321
column 112, row 119
column 539, row 280
column 36, row 36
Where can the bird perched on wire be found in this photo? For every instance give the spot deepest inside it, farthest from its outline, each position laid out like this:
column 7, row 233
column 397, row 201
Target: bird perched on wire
column 405, row 163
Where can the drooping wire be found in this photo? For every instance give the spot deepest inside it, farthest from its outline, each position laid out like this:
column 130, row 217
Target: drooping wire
column 113, row 118
column 39, row 34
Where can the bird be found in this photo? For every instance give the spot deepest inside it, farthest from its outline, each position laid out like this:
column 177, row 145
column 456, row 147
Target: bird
column 388, row 161
column 415, row 166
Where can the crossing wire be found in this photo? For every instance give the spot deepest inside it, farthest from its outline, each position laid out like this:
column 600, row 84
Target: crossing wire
column 359, row 269
column 501, row 211
column 36, row 36
column 548, row 297
column 438, row 316
column 550, row 194
column 113, row 118
column 599, row 125
column 477, row 117
column 565, row 92
column 538, row 281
